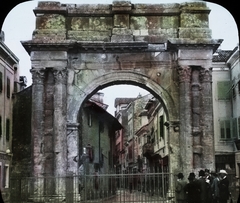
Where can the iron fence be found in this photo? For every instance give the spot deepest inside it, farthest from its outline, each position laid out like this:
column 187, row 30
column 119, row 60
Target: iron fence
column 99, row 188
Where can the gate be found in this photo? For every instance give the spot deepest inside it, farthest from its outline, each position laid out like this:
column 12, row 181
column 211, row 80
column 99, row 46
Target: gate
column 103, row 188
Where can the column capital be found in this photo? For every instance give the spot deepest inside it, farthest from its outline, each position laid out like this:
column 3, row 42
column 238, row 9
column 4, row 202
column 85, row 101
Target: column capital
column 60, row 75
column 184, row 73
column 38, row 76
column 206, row 74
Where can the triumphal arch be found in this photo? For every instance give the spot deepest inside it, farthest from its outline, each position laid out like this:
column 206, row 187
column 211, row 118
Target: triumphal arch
column 77, row 50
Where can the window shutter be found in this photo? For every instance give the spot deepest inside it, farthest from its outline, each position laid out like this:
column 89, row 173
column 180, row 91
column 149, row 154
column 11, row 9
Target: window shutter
column 224, row 91
column 234, row 126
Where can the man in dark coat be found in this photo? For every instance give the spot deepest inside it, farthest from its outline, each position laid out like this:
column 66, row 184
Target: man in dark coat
column 180, row 189
column 193, row 189
column 224, row 193
column 205, row 188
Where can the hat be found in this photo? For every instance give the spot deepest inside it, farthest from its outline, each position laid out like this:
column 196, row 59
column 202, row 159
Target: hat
column 223, row 171
column 180, row 175
column 191, row 176
column 201, row 173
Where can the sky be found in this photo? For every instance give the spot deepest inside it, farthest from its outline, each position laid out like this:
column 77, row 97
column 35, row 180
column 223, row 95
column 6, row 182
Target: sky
column 19, row 25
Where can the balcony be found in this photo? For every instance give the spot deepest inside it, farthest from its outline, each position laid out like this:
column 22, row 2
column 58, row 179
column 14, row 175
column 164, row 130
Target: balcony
column 148, row 149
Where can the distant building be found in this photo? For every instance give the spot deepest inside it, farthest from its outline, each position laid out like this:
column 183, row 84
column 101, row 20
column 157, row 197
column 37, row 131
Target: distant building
column 121, row 114
column 98, row 128
column 226, row 110
column 97, row 143
column 10, row 83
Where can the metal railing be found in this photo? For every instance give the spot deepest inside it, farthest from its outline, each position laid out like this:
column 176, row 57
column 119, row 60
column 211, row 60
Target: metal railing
column 101, row 188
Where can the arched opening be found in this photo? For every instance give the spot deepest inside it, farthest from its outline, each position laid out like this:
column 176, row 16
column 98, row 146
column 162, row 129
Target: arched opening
column 139, row 145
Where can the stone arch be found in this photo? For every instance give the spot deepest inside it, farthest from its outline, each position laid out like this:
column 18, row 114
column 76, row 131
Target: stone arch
column 173, row 40
column 126, row 77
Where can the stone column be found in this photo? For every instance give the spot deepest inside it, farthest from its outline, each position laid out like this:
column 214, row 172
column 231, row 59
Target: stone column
column 185, row 112
column 173, row 153
column 37, row 128
column 38, row 76
column 60, row 122
column 196, row 130
column 208, row 159
column 72, row 147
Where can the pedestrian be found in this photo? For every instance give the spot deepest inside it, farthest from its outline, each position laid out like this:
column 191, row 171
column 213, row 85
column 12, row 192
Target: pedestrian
column 192, row 189
column 215, row 188
column 208, row 176
column 205, row 187
column 180, row 189
column 224, row 193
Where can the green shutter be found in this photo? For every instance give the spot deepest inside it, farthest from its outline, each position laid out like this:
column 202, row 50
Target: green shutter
column 224, row 90
column 7, row 129
column 234, row 127
column 8, row 88
column 222, row 129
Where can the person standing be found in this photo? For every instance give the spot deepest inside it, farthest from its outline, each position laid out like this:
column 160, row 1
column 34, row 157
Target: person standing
column 224, row 193
column 215, row 188
column 205, row 188
column 192, row 189
column 180, row 189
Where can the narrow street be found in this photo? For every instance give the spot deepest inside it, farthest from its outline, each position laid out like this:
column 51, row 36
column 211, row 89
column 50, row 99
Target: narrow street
column 124, row 196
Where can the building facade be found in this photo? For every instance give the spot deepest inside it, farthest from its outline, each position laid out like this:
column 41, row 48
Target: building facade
column 226, row 106
column 121, row 115
column 10, row 83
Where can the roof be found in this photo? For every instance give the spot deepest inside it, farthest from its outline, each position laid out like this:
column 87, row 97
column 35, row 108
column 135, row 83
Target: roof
column 104, row 115
column 222, row 55
column 123, row 101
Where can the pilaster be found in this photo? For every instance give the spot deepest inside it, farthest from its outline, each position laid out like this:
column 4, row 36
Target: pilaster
column 59, row 121
column 196, row 115
column 38, row 76
column 185, row 138
column 208, row 158
column 72, row 147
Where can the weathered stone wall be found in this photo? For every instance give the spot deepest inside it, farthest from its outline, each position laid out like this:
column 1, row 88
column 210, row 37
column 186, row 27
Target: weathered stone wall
column 121, row 22
column 164, row 48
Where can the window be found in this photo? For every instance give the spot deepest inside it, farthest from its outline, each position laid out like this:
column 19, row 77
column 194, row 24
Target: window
column 6, row 176
column 239, row 86
column 223, row 89
column 225, row 129
column 236, row 127
column 89, row 119
column 7, row 129
column 233, row 91
column 161, row 127
column 1, row 82
column 8, row 88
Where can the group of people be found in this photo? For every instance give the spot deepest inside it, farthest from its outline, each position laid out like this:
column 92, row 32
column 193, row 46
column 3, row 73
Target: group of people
column 207, row 188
